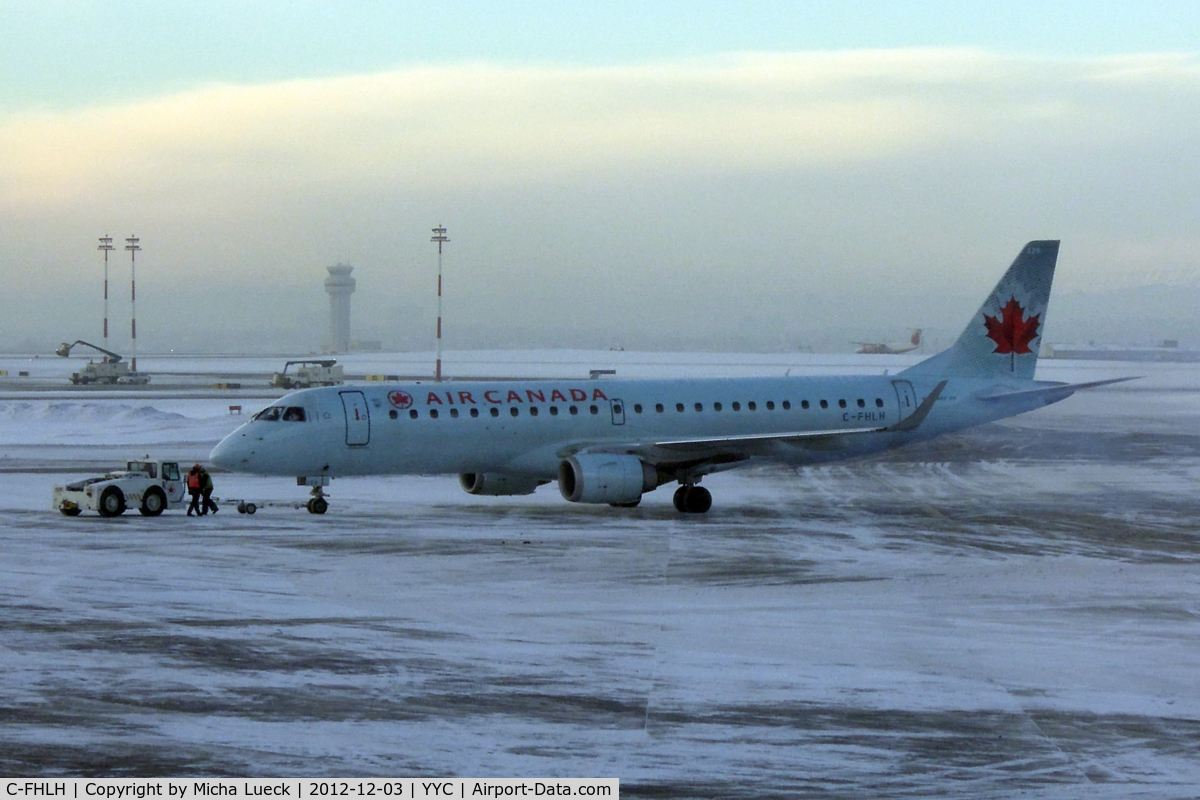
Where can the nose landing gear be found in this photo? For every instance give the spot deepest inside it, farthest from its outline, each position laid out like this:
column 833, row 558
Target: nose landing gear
column 317, row 504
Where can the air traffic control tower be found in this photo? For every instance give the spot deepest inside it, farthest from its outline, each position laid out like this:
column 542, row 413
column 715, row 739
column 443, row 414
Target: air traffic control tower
column 340, row 286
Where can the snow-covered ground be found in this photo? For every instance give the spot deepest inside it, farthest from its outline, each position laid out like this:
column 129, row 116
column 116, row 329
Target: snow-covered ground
column 1009, row 612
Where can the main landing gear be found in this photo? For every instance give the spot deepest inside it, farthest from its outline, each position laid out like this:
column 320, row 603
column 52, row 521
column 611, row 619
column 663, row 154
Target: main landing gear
column 692, row 499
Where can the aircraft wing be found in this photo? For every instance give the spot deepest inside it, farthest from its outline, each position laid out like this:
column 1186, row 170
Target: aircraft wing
column 1057, row 391
column 793, row 437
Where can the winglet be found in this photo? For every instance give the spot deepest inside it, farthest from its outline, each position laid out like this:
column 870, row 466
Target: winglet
column 913, row 420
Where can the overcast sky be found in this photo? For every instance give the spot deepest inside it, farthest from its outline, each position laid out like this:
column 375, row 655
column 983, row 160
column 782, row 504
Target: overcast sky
column 687, row 175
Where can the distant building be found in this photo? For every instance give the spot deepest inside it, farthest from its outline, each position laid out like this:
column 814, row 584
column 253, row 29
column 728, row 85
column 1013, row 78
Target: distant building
column 340, row 286
column 1167, row 350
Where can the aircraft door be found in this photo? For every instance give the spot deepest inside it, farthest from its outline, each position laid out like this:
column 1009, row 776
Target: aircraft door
column 618, row 411
column 906, row 397
column 358, row 419
column 172, row 481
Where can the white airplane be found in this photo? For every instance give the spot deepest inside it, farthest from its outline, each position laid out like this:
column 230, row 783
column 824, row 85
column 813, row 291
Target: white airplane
column 610, row 441
column 895, row 348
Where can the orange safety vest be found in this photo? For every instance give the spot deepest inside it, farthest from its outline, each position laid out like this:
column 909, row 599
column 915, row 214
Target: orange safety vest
column 193, row 480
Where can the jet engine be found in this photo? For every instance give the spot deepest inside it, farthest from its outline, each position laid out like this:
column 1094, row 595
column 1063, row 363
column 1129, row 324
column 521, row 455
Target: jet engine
column 603, row 478
column 497, row 484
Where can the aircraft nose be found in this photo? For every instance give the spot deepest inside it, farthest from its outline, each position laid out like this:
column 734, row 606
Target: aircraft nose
column 232, row 453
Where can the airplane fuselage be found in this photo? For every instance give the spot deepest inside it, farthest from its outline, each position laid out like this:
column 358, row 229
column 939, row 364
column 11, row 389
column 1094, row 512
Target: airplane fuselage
column 610, row 441
column 527, row 428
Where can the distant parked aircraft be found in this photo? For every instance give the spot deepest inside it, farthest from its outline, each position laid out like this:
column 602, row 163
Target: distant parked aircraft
column 879, row 348
column 610, row 441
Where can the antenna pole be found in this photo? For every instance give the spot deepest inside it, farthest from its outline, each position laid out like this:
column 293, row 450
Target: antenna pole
column 133, row 247
column 439, row 236
column 106, row 245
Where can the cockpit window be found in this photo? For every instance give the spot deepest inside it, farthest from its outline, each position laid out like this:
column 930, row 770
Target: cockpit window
column 270, row 414
column 293, row 414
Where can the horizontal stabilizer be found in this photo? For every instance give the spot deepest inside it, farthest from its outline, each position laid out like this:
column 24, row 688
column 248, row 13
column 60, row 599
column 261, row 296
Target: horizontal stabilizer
column 1055, row 390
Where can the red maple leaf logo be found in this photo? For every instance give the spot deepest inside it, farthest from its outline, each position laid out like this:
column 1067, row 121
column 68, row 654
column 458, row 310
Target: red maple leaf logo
column 400, row 399
column 1011, row 333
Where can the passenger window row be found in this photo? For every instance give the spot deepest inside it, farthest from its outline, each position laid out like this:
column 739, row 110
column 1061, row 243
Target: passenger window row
column 786, row 405
column 514, row 411
column 534, row 411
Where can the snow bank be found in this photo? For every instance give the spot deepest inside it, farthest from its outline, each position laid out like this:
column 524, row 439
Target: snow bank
column 102, row 422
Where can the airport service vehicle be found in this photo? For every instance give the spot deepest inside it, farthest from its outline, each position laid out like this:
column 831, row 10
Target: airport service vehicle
column 149, row 486
column 309, row 373
column 109, row 370
column 611, row 441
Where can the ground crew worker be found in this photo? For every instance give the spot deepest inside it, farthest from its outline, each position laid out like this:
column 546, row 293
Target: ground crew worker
column 193, row 487
column 206, row 489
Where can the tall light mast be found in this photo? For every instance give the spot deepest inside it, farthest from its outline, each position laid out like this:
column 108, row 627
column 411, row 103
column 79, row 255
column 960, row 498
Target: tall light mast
column 131, row 244
column 439, row 236
column 106, row 245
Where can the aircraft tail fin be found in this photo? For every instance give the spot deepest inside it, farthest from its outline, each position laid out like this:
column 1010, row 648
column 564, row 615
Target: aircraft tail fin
column 1003, row 337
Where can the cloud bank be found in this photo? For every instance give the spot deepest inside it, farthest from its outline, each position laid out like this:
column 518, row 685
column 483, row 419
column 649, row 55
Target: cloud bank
column 627, row 204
